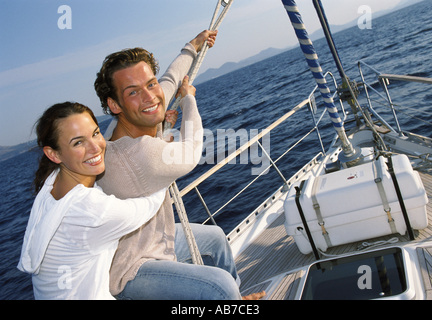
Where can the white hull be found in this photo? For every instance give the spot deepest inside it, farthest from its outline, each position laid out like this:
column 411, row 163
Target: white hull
column 273, row 255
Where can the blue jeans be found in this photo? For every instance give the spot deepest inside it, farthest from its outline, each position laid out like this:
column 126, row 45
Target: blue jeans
column 182, row 280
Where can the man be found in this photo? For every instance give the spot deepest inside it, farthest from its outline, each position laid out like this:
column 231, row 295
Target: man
column 154, row 262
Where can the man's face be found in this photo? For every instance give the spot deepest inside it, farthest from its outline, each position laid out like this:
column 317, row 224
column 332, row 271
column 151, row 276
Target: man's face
column 140, row 98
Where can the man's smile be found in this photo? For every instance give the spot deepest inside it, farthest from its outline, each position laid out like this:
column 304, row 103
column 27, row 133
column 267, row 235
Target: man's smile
column 151, row 109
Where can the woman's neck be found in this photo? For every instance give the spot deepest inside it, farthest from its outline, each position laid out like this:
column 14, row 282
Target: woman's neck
column 67, row 180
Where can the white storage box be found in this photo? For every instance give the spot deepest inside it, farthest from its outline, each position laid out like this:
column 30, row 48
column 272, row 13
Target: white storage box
column 351, row 206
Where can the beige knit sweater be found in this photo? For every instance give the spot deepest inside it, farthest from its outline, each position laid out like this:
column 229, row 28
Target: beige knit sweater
column 139, row 167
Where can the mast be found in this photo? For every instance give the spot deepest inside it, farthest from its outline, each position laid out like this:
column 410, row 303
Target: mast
column 348, row 90
column 349, row 154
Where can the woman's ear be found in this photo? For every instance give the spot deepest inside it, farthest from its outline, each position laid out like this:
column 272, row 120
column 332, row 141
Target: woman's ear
column 113, row 105
column 52, row 155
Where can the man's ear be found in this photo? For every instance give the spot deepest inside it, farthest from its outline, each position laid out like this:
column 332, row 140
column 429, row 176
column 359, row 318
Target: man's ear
column 52, row 154
column 113, row 105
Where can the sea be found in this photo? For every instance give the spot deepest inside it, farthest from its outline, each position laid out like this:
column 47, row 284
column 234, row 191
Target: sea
column 243, row 103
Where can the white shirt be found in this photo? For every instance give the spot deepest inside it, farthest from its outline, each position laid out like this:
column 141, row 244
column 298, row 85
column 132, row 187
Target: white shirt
column 69, row 244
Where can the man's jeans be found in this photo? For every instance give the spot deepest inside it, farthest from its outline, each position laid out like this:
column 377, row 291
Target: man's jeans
column 182, row 280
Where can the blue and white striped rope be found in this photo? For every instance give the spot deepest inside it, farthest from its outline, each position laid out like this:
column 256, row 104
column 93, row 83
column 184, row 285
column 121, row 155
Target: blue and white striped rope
column 312, row 61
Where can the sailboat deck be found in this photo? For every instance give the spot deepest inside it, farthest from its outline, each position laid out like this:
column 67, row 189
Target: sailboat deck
column 274, row 253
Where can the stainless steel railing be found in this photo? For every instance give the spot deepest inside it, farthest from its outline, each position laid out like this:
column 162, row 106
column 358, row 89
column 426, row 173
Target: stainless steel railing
column 310, row 102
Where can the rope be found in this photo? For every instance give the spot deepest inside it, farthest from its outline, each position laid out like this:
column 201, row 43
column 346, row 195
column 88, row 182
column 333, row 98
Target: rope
column 181, row 211
column 214, row 25
column 362, row 246
column 369, row 245
column 174, row 191
column 312, row 61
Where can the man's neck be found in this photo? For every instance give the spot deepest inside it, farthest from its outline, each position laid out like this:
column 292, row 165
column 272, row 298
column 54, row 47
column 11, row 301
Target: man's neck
column 133, row 132
column 124, row 129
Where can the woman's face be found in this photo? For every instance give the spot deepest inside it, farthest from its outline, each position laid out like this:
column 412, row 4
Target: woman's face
column 81, row 146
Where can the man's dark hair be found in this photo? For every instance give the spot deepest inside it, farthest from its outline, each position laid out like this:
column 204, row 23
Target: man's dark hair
column 117, row 61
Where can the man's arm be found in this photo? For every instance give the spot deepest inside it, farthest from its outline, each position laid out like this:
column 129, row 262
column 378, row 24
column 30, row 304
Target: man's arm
column 172, row 79
column 176, row 159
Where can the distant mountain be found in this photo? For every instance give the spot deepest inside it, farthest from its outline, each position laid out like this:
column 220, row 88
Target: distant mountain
column 232, row 66
column 12, row 151
column 267, row 53
column 270, row 52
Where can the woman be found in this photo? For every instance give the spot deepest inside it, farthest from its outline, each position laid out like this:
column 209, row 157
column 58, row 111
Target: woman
column 74, row 228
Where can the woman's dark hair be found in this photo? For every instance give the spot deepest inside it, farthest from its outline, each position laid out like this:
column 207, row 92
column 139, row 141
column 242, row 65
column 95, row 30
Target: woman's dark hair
column 47, row 135
column 117, row 61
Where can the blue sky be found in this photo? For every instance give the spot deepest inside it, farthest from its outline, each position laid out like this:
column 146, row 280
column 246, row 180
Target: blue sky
column 41, row 64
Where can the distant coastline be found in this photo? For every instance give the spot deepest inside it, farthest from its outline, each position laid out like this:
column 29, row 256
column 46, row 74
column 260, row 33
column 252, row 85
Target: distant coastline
column 228, row 67
column 7, row 152
column 12, row 151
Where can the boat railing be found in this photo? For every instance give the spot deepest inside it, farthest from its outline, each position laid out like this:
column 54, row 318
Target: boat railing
column 383, row 80
column 313, row 107
column 310, row 101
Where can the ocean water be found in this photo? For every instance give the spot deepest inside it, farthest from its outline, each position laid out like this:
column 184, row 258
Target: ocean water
column 244, row 101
